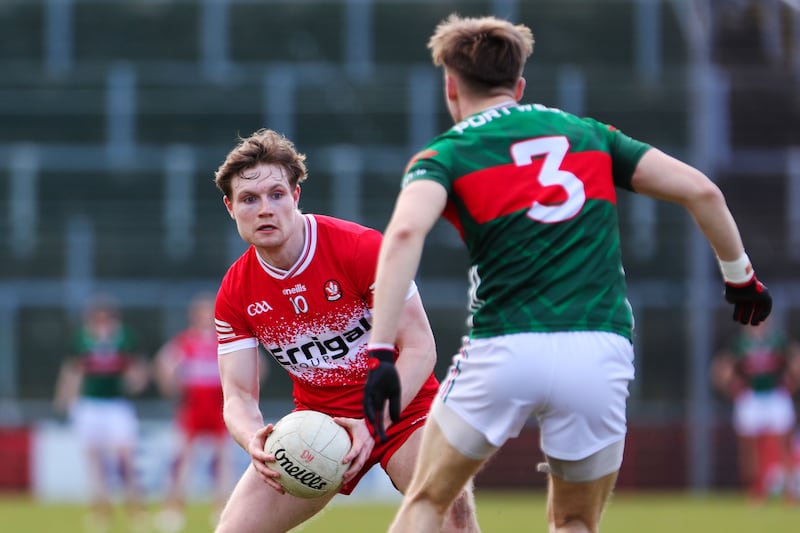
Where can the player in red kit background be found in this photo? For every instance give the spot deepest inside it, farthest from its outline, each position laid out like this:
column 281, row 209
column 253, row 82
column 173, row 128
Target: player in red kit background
column 186, row 368
column 303, row 291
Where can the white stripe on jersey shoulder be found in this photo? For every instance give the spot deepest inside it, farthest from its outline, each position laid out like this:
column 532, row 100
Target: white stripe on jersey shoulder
column 306, row 255
column 235, row 346
column 222, row 326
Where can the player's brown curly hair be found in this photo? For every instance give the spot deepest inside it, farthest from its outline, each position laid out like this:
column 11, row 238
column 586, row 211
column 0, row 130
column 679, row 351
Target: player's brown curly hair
column 262, row 147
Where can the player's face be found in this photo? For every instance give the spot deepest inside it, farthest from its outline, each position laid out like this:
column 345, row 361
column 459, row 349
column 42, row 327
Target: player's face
column 264, row 206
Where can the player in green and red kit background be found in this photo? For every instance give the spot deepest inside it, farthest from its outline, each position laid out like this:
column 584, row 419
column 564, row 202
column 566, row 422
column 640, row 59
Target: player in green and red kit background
column 532, row 191
column 94, row 385
column 759, row 373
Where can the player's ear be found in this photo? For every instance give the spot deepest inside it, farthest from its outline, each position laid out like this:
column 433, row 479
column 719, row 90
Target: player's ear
column 296, row 194
column 228, row 206
column 519, row 90
column 450, row 87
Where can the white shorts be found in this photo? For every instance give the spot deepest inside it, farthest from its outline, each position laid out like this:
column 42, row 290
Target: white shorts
column 575, row 383
column 105, row 422
column 759, row 413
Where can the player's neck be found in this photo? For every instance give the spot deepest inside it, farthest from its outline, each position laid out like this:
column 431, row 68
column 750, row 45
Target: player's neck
column 484, row 104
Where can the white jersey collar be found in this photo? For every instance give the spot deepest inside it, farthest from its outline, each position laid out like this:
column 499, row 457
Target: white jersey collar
column 306, row 255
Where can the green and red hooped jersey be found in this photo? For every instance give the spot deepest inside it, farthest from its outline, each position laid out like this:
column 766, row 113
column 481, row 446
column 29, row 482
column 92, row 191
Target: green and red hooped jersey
column 762, row 361
column 532, row 193
column 104, row 361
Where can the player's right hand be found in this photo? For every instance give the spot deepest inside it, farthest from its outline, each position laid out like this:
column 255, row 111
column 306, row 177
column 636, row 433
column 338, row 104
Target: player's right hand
column 260, row 458
column 361, row 448
column 383, row 385
column 751, row 301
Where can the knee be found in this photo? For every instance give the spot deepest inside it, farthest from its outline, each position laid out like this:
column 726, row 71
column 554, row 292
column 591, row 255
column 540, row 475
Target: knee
column 461, row 513
column 433, row 497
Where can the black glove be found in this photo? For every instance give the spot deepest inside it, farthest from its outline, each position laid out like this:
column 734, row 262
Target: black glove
column 751, row 301
column 383, row 384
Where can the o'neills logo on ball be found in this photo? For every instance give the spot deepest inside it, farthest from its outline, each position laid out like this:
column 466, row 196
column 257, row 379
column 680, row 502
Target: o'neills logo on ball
column 306, row 477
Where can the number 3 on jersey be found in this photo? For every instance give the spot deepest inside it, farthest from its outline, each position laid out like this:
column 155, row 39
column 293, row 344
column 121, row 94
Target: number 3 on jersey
column 554, row 150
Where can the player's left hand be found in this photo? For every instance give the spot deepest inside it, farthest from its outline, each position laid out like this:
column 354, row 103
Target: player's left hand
column 383, row 385
column 751, row 301
column 362, row 446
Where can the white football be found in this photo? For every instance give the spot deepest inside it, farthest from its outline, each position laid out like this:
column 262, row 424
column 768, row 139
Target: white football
column 308, row 447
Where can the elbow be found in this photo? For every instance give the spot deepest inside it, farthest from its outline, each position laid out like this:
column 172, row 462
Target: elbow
column 425, row 355
column 429, row 352
column 705, row 193
column 402, row 234
column 421, row 356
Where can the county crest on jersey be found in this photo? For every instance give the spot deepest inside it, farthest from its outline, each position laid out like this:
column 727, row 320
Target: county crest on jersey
column 314, row 319
column 531, row 190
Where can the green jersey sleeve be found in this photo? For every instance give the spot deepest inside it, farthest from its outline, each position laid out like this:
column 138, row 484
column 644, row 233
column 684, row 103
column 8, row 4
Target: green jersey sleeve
column 625, row 152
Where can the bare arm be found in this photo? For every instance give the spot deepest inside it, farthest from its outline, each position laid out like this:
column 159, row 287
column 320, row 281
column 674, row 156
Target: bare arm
column 724, row 377
column 417, row 355
column 666, row 178
column 663, row 177
column 137, row 375
column 165, row 369
column 418, row 207
column 793, row 366
column 240, row 385
column 68, row 385
column 417, row 349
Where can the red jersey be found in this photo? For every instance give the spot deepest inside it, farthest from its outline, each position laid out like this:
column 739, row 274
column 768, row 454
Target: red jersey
column 200, row 410
column 314, row 318
column 197, row 359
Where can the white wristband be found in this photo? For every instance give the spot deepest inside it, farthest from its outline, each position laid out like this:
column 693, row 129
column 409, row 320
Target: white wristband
column 737, row 271
column 380, row 346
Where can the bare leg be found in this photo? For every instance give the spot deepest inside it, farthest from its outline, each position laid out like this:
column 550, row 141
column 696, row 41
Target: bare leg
column 439, row 496
column 577, row 507
column 100, row 509
column 133, row 497
column 222, row 475
column 175, row 496
column 171, row 518
column 255, row 507
column 749, row 467
column 791, row 488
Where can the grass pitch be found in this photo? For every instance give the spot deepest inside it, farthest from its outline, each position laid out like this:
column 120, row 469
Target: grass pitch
column 498, row 512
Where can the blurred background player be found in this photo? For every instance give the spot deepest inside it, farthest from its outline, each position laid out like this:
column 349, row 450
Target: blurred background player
column 303, row 290
column 186, row 368
column 759, row 372
column 93, row 387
